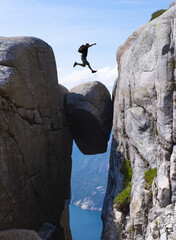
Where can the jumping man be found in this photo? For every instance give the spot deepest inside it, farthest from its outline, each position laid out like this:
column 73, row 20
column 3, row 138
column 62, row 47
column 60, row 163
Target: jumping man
column 84, row 50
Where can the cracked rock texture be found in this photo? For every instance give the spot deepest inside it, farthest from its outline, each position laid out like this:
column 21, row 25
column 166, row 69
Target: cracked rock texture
column 35, row 140
column 144, row 131
column 89, row 110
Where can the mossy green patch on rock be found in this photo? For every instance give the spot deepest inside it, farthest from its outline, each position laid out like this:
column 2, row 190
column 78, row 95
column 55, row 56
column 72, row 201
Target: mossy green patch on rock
column 126, row 170
column 122, row 201
column 149, row 177
column 157, row 13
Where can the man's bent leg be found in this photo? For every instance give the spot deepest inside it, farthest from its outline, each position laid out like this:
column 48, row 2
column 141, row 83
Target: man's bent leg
column 88, row 64
column 81, row 64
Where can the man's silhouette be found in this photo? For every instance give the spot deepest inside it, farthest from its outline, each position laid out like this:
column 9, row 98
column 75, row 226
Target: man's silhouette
column 84, row 51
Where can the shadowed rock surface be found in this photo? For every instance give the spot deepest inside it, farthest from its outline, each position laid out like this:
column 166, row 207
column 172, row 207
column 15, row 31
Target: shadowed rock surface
column 35, row 140
column 89, row 110
column 46, row 231
column 144, row 131
column 16, row 234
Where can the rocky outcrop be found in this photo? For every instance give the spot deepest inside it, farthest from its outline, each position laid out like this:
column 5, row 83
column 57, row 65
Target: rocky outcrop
column 35, row 140
column 144, row 131
column 89, row 110
column 17, row 234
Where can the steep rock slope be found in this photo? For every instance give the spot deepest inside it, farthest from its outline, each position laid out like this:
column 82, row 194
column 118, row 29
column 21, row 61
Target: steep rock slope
column 144, row 131
column 35, row 140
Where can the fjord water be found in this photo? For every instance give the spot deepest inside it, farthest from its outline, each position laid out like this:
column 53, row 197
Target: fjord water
column 85, row 224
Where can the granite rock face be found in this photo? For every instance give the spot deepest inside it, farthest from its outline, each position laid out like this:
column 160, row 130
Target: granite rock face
column 35, row 140
column 144, row 131
column 89, row 110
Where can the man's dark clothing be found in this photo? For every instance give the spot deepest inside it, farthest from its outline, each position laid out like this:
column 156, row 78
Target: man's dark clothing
column 84, row 51
column 84, row 60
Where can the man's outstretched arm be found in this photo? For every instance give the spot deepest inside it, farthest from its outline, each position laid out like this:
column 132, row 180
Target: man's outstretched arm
column 92, row 44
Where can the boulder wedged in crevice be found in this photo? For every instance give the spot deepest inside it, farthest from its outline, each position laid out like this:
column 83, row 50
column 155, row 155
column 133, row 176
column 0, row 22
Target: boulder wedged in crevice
column 89, row 111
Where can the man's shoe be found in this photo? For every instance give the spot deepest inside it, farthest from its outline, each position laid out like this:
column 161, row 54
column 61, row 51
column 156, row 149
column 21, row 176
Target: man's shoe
column 74, row 64
column 93, row 71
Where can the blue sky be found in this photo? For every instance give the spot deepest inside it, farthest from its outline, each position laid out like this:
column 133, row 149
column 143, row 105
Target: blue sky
column 67, row 24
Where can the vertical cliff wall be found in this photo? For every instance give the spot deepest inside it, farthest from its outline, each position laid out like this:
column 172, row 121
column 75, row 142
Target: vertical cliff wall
column 35, row 140
column 144, row 132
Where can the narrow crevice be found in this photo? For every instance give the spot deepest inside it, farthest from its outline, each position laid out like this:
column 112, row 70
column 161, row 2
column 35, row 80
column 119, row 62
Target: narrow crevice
column 141, row 156
column 31, row 122
column 7, row 64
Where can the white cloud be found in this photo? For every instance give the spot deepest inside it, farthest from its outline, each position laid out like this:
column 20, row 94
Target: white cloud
column 106, row 75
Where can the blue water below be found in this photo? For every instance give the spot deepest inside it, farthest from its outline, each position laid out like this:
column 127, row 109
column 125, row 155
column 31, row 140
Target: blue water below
column 85, row 224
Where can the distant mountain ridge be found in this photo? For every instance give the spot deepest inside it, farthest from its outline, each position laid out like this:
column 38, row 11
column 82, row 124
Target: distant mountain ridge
column 89, row 179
